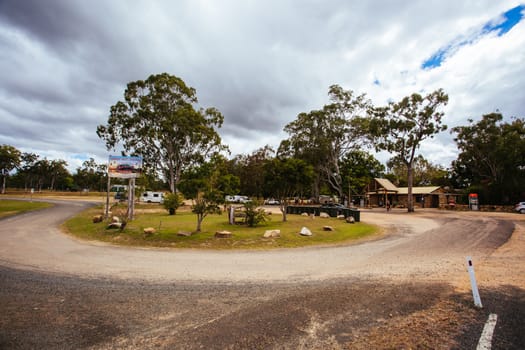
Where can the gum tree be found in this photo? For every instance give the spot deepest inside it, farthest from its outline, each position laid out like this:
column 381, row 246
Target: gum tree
column 9, row 160
column 401, row 127
column 158, row 121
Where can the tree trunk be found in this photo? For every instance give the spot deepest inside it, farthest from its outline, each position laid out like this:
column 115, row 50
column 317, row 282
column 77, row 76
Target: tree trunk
column 3, row 184
column 410, row 180
column 283, row 207
column 200, row 217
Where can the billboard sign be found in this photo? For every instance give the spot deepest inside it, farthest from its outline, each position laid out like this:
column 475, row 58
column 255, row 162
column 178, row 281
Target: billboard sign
column 125, row 167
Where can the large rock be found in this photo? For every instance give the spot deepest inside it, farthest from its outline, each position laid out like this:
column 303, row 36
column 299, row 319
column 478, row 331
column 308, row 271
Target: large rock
column 341, row 217
column 350, row 220
column 272, row 233
column 184, row 233
column 148, row 231
column 324, row 215
column 97, row 218
column 305, row 214
column 328, row 228
column 305, row 232
column 115, row 219
column 223, row 234
column 115, row 225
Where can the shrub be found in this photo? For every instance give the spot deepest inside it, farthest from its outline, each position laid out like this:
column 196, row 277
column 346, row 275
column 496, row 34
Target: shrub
column 172, row 201
column 254, row 214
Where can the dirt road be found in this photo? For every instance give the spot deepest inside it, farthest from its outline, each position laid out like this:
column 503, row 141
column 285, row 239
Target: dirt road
column 406, row 290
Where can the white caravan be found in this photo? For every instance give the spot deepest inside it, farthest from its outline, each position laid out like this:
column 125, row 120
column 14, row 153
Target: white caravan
column 152, row 197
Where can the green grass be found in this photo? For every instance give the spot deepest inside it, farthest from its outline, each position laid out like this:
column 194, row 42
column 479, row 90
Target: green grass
column 243, row 237
column 13, row 207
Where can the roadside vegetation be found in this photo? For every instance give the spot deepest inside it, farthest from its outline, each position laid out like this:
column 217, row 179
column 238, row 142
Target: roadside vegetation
column 13, row 207
column 243, row 237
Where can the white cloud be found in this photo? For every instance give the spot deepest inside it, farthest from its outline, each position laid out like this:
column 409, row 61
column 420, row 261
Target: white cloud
column 260, row 63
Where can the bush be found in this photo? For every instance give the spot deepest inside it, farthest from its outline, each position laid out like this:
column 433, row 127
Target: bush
column 172, row 201
column 254, row 214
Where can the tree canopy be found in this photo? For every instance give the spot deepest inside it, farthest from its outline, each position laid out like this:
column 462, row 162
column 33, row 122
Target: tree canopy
column 323, row 137
column 158, row 121
column 287, row 177
column 492, row 158
column 400, row 127
column 9, row 160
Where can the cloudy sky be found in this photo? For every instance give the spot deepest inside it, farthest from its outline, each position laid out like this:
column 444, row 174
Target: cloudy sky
column 63, row 63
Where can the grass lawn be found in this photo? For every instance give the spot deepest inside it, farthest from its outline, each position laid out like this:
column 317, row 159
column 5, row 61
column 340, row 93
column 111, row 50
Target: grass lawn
column 243, row 237
column 13, row 207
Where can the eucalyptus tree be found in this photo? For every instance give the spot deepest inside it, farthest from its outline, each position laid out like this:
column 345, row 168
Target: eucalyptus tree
column 323, row 137
column 492, row 158
column 91, row 175
column 286, row 178
column 359, row 168
column 425, row 173
column 158, row 120
column 249, row 170
column 401, row 127
column 9, row 160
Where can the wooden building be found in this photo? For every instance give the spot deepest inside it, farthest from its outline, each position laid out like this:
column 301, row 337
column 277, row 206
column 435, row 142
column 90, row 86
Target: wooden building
column 382, row 191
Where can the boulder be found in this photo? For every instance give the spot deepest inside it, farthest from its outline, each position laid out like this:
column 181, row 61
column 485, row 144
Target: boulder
column 324, row 215
column 304, row 214
column 148, row 231
column 184, row 233
column 328, row 228
column 272, row 233
column 305, row 232
column 223, row 234
column 97, row 218
column 115, row 219
column 350, row 219
column 115, row 225
column 341, row 217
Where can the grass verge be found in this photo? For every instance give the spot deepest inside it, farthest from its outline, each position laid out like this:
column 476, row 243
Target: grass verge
column 13, row 207
column 243, row 237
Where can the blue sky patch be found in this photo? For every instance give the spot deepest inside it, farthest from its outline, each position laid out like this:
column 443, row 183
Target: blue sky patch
column 501, row 25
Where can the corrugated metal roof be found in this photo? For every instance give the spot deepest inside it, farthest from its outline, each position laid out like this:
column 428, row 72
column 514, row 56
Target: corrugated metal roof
column 390, row 187
column 386, row 184
column 418, row 190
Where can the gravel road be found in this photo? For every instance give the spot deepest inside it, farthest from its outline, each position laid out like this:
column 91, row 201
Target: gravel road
column 405, row 290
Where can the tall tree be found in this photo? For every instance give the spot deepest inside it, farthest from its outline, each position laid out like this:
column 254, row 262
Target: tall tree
column 425, row 172
column 158, row 121
column 91, row 175
column 9, row 160
column 286, row 178
column 249, row 170
column 323, row 137
column 401, row 127
column 358, row 170
column 492, row 158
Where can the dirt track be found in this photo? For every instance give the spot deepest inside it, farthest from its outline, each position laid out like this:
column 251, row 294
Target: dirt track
column 407, row 290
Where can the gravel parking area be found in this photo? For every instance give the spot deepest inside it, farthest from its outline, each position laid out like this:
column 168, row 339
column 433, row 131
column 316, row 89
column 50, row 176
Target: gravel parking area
column 407, row 290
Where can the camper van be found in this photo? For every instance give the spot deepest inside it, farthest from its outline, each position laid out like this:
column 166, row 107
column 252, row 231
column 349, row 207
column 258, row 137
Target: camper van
column 152, row 197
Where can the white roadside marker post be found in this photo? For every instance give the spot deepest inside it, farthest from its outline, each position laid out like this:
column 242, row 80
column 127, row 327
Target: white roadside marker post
column 473, row 284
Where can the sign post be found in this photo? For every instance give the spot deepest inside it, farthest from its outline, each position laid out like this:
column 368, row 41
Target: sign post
column 125, row 167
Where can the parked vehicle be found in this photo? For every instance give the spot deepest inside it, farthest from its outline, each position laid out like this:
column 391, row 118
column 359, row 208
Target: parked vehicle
column 272, row 201
column 152, row 197
column 520, row 207
column 333, row 205
column 237, row 199
column 121, row 196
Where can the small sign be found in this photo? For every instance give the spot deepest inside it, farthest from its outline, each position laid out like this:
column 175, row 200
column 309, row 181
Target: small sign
column 125, row 167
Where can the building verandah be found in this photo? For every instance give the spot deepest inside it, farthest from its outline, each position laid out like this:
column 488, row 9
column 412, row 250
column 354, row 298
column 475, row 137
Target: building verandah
column 382, row 192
